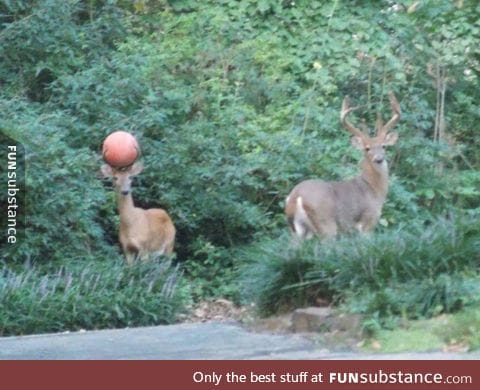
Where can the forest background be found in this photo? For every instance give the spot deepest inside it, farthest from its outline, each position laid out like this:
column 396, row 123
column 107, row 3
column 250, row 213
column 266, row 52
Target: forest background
column 233, row 103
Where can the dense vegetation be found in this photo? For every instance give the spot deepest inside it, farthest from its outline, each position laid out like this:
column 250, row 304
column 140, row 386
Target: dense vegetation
column 234, row 102
column 87, row 296
column 397, row 273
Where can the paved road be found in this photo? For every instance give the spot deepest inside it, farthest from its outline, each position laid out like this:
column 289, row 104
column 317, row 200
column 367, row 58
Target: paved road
column 184, row 341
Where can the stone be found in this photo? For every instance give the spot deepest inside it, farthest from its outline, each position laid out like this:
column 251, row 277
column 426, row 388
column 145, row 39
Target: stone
column 346, row 322
column 324, row 319
column 311, row 319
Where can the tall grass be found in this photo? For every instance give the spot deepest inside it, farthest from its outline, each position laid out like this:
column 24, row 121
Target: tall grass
column 413, row 272
column 102, row 294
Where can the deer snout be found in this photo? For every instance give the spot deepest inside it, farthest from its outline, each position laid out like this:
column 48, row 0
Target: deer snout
column 377, row 155
column 123, row 186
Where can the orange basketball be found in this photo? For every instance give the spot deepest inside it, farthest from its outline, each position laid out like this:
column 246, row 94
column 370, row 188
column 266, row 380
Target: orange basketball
column 120, row 149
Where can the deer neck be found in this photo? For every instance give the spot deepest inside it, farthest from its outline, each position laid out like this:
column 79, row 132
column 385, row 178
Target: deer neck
column 376, row 177
column 126, row 209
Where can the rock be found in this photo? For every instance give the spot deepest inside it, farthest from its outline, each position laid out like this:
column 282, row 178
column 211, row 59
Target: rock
column 346, row 322
column 276, row 324
column 324, row 319
column 311, row 319
column 218, row 310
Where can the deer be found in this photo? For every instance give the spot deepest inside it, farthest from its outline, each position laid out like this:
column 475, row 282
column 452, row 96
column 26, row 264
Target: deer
column 143, row 232
column 327, row 208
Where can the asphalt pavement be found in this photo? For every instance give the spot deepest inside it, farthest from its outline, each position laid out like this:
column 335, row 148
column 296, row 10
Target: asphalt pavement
column 211, row 340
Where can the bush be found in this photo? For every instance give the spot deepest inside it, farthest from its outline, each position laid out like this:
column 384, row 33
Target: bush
column 414, row 272
column 105, row 294
column 43, row 40
column 67, row 207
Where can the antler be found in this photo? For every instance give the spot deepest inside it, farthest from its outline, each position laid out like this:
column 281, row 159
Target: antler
column 346, row 109
column 383, row 130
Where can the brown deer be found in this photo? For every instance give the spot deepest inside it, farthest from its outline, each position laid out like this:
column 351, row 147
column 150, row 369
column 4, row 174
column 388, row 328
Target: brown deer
column 143, row 233
column 325, row 208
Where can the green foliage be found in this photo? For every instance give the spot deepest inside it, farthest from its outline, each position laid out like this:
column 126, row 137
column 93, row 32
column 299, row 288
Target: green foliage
column 212, row 272
column 233, row 103
column 231, row 120
column 463, row 329
column 45, row 39
column 458, row 331
column 64, row 197
column 412, row 272
column 270, row 277
column 88, row 296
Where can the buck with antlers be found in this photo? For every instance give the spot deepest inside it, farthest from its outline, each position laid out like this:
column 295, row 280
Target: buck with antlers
column 143, row 233
column 323, row 208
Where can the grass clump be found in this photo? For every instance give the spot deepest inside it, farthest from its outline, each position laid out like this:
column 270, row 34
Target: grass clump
column 90, row 296
column 449, row 332
column 413, row 272
column 275, row 280
column 463, row 328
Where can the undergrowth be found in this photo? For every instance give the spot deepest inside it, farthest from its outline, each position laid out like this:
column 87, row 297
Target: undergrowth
column 412, row 272
column 103, row 294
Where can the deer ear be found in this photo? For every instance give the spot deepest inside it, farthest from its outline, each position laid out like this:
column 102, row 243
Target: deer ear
column 391, row 139
column 357, row 142
column 106, row 170
column 136, row 168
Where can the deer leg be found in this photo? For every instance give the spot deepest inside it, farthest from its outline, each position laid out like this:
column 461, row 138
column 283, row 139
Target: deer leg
column 328, row 230
column 324, row 225
column 169, row 248
column 367, row 222
column 130, row 257
column 145, row 256
column 131, row 253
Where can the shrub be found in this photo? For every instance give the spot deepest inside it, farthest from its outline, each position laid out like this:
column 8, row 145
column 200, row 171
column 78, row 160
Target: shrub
column 67, row 207
column 413, row 272
column 105, row 294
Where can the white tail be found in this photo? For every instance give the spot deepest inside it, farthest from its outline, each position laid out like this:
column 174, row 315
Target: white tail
column 143, row 233
column 316, row 207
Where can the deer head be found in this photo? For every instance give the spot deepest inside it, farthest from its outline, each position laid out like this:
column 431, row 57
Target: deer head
column 122, row 177
column 373, row 147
